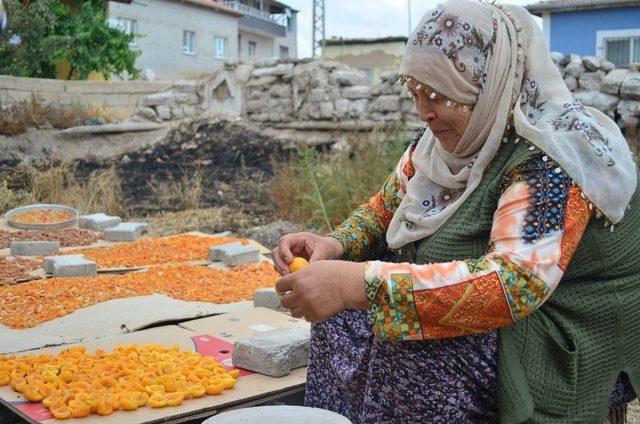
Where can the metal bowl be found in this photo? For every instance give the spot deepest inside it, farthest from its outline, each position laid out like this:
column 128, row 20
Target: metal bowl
column 48, row 226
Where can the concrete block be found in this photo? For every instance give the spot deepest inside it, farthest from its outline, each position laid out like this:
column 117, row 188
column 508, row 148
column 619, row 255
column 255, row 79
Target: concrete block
column 240, row 255
column 123, row 232
column 98, row 221
column 75, row 267
column 34, row 248
column 274, row 353
column 50, row 261
column 216, row 253
column 144, row 227
column 267, row 298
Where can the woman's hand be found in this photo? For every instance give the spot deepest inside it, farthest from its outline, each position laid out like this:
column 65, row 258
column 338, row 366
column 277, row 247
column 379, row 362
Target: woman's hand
column 323, row 289
column 306, row 245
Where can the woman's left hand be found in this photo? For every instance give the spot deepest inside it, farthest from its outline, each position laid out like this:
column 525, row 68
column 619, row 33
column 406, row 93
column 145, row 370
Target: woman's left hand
column 323, row 289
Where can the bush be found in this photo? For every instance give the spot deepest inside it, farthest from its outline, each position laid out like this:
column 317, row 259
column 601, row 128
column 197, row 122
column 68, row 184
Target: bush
column 323, row 189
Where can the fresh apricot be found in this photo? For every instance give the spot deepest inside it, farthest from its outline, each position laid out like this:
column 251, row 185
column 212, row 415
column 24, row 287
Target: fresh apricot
column 297, row 264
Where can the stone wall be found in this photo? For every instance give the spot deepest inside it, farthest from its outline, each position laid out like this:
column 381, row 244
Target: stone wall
column 122, row 96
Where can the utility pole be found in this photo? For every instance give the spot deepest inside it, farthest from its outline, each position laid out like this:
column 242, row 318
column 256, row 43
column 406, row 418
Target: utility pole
column 409, row 14
column 318, row 27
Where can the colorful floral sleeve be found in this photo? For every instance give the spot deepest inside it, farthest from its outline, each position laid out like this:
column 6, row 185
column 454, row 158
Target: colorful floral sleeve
column 540, row 219
column 369, row 222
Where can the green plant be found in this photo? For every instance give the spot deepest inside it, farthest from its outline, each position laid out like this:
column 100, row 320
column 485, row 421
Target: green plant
column 43, row 33
column 323, row 189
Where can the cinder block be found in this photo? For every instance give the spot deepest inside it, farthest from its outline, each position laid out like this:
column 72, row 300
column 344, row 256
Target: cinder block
column 267, row 298
column 79, row 267
column 98, row 221
column 49, row 261
column 274, row 352
column 144, row 227
column 34, row 248
column 216, row 253
column 240, row 255
column 123, row 232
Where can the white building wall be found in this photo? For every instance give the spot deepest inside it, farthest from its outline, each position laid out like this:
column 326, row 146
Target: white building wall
column 290, row 41
column 162, row 22
column 264, row 47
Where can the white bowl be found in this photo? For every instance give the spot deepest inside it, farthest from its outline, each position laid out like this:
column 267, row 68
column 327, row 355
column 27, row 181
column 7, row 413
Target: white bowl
column 280, row 414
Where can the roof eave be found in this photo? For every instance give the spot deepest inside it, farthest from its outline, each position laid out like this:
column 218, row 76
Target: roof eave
column 562, row 6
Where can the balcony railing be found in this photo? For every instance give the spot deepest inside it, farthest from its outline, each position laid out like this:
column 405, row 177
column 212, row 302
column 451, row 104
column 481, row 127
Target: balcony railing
column 280, row 19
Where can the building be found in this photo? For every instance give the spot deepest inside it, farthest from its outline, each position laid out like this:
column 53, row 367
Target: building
column 190, row 38
column 609, row 28
column 371, row 55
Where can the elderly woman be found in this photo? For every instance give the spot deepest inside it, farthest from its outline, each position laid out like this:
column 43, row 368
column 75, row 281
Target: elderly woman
column 512, row 291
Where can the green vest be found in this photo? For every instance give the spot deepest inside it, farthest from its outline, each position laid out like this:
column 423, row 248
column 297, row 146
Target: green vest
column 560, row 364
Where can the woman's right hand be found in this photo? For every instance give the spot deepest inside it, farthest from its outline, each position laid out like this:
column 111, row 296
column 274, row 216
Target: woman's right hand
column 306, row 245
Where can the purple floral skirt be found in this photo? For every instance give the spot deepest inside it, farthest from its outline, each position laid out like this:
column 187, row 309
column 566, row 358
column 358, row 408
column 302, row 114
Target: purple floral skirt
column 439, row 381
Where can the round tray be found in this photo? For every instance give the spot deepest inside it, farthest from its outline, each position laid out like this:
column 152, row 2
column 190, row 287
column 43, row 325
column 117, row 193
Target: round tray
column 48, row 226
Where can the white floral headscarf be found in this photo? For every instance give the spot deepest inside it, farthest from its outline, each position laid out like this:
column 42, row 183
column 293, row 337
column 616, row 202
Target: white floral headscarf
column 495, row 57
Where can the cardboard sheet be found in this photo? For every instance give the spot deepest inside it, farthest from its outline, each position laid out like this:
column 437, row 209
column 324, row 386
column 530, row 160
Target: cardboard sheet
column 251, row 388
column 117, row 316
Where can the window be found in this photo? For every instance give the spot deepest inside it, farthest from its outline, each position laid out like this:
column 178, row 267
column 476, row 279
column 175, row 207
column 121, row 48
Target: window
column 284, row 52
column 621, row 47
column 253, row 46
column 220, row 47
column 189, row 42
column 129, row 26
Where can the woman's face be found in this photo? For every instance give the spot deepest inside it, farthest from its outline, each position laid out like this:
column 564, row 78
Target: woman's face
column 447, row 124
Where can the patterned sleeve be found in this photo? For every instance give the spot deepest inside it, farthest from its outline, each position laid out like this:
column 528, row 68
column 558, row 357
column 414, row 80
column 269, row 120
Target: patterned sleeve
column 369, row 222
column 540, row 219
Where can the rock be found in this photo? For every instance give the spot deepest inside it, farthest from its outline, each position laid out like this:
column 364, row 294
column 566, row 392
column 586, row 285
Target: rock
column 78, row 267
column 187, row 98
column 357, row 92
column 575, row 69
column 280, row 90
column 358, row 108
column 596, row 99
column 592, row 63
column 164, row 112
column 274, row 353
column 255, row 105
column 267, row 298
column 98, row 221
column 634, row 67
column 125, row 159
column 94, row 121
column 612, row 82
column 50, row 261
column 385, row 104
column 326, row 110
column 186, row 86
column 630, row 87
column 176, row 112
column 571, row 82
column 279, row 70
column 346, row 78
column 188, row 111
column 263, row 82
column 629, row 111
column 269, row 234
column 591, row 80
column 34, row 248
column 556, row 57
column 607, row 66
column 389, row 76
column 216, row 253
column 241, row 255
column 342, row 108
column 123, row 232
column 148, row 113
column 157, row 99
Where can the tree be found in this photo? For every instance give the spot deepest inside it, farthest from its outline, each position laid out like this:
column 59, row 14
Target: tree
column 43, row 33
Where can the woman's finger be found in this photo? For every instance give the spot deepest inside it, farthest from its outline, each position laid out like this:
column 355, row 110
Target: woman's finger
column 278, row 262
column 289, row 301
column 284, row 284
column 284, row 245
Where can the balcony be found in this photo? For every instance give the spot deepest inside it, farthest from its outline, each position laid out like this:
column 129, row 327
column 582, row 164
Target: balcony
column 259, row 21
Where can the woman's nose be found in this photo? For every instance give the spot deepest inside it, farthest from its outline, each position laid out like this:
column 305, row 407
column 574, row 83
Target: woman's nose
column 425, row 111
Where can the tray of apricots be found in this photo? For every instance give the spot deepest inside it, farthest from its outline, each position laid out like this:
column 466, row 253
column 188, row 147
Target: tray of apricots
column 76, row 383
column 42, row 217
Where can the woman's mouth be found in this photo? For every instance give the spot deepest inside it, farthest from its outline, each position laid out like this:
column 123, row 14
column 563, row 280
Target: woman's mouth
column 438, row 133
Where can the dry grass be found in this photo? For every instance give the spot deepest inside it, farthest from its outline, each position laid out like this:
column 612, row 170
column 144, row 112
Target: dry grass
column 210, row 220
column 16, row 117
column 182, row 194
column 57, row 183
column 323, row 189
